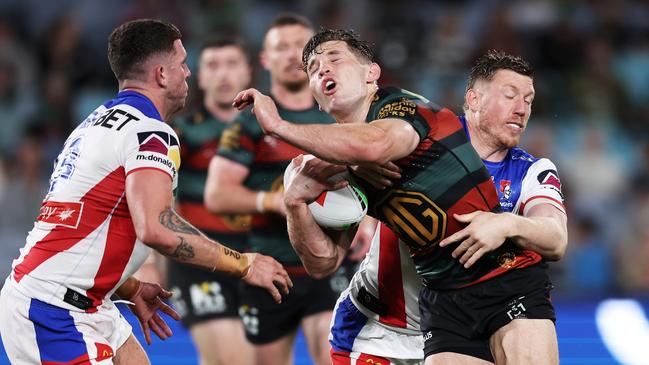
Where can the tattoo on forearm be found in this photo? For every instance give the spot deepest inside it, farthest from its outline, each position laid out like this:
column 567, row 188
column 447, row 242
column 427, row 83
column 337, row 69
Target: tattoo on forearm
column 229, row 252
column 170, row 219
column 184, row 251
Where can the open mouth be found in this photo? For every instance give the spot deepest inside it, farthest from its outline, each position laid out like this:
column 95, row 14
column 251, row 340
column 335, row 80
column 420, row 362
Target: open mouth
column 328, row 86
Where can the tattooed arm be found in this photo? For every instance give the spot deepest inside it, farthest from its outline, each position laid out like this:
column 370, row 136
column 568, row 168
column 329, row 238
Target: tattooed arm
column 149, row 197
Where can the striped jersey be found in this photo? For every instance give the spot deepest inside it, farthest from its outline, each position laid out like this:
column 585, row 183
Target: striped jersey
column 83, row 238
column 443, row 176
column 267, row 157
column 200, row 133
column 387, row 272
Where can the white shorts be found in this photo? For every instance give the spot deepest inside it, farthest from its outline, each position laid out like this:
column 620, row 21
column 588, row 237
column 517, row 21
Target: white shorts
column 355, row 338
column 34, row 332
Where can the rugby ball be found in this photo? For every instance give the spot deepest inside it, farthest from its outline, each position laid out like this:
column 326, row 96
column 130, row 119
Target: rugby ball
column 336, row 209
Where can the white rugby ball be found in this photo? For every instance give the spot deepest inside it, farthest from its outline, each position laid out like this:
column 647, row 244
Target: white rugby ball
column 335, row 209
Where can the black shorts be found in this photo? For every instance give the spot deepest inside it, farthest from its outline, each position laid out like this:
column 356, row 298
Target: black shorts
column 201, row 295
column 463, row 320
column 266, row 321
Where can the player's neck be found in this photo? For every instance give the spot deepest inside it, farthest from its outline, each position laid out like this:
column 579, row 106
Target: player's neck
column 224, row 113
column 292, row 100
column 356, row 112
column 156, row 99
column 486, row 150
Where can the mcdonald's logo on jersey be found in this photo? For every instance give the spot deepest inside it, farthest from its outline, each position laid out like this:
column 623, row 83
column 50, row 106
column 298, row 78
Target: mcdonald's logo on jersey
column 162, row 143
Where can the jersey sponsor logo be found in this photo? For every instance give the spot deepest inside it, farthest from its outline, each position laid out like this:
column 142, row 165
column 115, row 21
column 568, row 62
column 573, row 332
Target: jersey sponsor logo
column 115, row 117
column 67, row 214
column 103, row 351
column 549, row 177
column 399, row 108
column 161, row 143
column 415, row 218
column 162, row 160
column 207, row 297
column 516, row 309
column 230, row 137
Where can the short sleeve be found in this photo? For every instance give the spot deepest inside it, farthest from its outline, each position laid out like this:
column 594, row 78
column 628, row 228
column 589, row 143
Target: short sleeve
column 407, row 107
column 541, row 185
column 152, row 145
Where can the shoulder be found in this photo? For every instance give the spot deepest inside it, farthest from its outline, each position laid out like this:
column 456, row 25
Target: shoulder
column 395, row 102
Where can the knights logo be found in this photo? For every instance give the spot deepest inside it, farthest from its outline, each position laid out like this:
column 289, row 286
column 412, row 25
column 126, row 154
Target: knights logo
column 505, row 188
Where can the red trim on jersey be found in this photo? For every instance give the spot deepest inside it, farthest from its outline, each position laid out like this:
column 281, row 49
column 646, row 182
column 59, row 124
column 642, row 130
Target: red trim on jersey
column 527, row 258
column 98, row 204
column 81, row 360
column 202, row 218
column 340, row 357
column 276, row 151
column 150, row 168
column 120, row 242
column 522, row 209
column 390, row 279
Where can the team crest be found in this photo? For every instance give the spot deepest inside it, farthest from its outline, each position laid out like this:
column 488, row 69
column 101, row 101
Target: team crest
column 505, row 188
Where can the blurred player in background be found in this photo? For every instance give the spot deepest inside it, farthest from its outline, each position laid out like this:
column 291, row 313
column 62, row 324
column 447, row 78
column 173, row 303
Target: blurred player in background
column 474, row 286
column 208, row 303
column 109, row 202
column 246, row 177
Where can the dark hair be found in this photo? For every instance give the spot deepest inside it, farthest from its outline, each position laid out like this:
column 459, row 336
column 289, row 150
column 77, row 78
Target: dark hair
column 289, row 19
column 359, row 47
column 486, row 66
column 132, row 43
column 225, row 40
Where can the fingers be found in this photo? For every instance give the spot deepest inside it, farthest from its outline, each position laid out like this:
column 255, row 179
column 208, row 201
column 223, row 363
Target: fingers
column 462, row 247
column 169, row 311
column 475, row 257
column 469, row 253
column 147, row 333
column 155, row 327
column 167, row 332
column 274, row 292
column 297, row 161
column 455, row 237
column 244, row 98
column 466, row 218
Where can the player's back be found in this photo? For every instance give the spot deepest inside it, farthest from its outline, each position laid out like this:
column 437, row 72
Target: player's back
column 83, row 240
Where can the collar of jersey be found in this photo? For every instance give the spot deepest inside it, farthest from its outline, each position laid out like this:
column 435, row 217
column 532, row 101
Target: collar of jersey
column 137, row 101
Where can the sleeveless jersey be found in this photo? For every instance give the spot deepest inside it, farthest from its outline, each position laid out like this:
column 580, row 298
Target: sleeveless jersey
column 83, row 238
column 267, row 157
column 441, row 177
column 200, row 134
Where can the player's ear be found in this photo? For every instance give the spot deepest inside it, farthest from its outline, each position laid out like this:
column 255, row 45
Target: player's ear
column 373, row 73
column 263, row 60
column 160, row 75
column 472, row 99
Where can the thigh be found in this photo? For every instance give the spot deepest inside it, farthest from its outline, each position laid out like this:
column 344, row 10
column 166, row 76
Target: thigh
column 445, row 358
column 131, row 353
column 526, row 341
column 316, row 331
column 222, row 341
column 277, row 352
column 199, row 295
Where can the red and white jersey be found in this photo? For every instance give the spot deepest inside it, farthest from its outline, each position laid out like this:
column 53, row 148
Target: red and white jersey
column 83, row 238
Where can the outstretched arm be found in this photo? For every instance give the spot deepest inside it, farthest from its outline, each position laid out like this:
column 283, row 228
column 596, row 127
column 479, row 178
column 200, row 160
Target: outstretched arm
column 543, row 229
column 148, row 192
column 321, row 252
column 380, row 141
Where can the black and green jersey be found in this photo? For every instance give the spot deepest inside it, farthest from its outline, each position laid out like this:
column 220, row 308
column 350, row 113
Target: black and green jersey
column 199, row 135
column 444, row 175
column 267, row 157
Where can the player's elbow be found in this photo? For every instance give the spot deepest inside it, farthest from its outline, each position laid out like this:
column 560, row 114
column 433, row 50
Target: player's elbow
column 321, row 270
column 213, row 203
column 152, row 235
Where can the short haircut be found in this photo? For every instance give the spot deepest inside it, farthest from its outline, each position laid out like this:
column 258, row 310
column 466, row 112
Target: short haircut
column 486, row 66
column 359, row 47
column 133, row 43
column 288, row 19
column 225, row 40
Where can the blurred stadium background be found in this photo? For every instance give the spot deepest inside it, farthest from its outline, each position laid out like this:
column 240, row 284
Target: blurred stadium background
column 590, row 116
